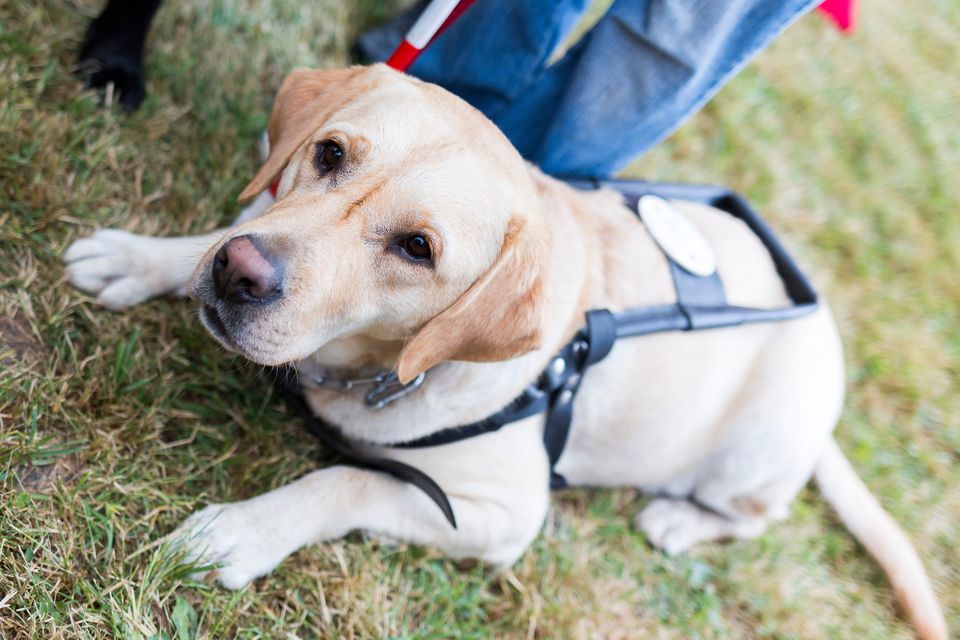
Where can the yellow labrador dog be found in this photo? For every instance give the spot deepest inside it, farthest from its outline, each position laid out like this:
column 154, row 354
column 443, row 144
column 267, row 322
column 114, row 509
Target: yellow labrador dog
column 409, row 235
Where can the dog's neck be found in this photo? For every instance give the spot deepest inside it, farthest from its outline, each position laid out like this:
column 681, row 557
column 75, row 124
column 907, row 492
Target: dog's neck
column 355, row 356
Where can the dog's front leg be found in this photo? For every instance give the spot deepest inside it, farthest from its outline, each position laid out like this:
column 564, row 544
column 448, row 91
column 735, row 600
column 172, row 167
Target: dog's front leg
column 123, row 269
column 247, row 539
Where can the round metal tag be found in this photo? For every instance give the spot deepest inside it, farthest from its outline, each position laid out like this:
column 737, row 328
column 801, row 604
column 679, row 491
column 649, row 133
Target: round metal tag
column 677, row 236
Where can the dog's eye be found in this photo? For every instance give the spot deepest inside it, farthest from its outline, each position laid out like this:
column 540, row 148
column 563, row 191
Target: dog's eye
column 416, row 248
column 328, row 156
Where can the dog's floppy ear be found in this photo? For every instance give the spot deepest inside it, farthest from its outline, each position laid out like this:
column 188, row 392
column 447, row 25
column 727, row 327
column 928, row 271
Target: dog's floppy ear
column 304, row 101
column 500, row 316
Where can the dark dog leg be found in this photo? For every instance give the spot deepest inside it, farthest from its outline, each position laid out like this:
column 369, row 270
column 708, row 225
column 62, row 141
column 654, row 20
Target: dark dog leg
column 113, row 49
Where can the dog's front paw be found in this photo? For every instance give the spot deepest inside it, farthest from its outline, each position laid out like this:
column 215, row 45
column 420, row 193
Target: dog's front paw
column 232, row 537
column 227, row 536
column 119, row 268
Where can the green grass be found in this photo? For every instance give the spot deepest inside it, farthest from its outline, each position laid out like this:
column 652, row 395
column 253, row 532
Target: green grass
column 114, row 427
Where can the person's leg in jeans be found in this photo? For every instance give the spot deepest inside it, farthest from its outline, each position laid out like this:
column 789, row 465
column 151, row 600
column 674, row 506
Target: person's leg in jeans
column 631, row 81
column 644, row 69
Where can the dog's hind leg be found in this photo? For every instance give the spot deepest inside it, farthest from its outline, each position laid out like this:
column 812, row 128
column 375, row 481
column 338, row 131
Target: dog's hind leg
column 735, row 495
column 675, row 525
column 746, row 483
column 765, row 447
column 123, row 269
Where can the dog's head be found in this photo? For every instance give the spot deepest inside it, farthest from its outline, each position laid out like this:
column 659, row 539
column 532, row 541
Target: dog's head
column 403, row 218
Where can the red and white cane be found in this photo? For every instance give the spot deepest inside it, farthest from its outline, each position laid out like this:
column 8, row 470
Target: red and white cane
column 438, row 15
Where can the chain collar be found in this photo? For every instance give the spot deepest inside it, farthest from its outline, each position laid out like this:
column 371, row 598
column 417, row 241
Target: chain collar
column 385, row 386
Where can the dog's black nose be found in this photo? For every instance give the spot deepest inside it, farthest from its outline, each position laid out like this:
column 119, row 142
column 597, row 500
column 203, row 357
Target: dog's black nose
column 244, row 271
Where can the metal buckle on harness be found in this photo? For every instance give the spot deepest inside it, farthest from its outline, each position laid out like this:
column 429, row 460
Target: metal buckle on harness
column 389, row 389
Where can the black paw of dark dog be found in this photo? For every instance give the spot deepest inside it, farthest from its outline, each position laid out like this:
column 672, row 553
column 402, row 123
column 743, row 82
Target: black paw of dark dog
column 112, row 52
column 125, row 73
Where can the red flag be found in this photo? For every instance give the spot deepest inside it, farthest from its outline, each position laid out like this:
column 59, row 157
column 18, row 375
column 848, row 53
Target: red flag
column 842, row 13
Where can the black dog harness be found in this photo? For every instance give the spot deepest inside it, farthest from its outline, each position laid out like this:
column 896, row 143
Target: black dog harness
column 700, row 304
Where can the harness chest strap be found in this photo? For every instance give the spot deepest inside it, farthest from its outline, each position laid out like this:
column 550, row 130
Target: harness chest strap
column 700, row 304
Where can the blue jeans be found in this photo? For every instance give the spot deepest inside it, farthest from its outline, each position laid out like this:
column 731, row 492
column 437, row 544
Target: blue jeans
column 633, row 79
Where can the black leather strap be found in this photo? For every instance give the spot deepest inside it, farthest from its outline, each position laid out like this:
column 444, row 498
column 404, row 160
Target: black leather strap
column 532, row 401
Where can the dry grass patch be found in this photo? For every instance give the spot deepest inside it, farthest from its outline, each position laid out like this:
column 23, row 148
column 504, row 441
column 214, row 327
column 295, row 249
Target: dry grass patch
column 114, row 427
